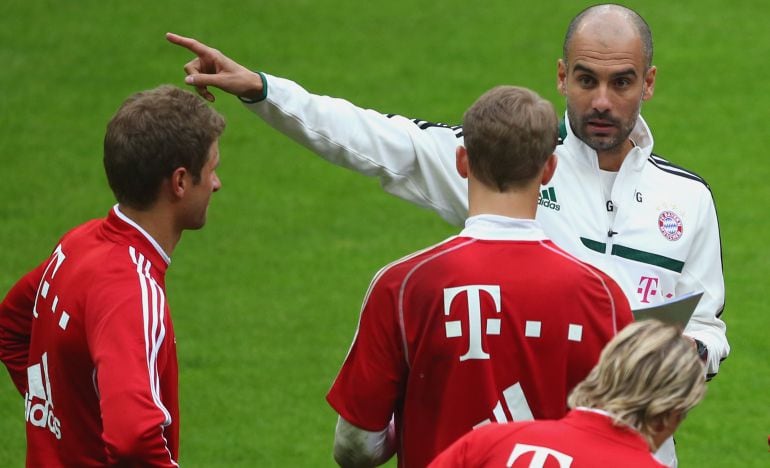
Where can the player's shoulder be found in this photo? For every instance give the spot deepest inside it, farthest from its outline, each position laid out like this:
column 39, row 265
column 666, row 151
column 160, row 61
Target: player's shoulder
column 431, row 127
column 660, row 167
column 103, row 264
column 120, row 280
column 494, row 434
column 110, row 268
column 81, row 232
column 409, row 265
column 85, row 249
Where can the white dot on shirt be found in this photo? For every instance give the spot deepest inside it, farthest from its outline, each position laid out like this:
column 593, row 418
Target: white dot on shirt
column 64, row 320
column 532, row 329
column 575, row 332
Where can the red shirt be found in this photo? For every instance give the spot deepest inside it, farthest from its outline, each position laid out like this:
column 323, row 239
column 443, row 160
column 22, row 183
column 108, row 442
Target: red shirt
column 88, row 341
column 497, row 324
column 583, row 439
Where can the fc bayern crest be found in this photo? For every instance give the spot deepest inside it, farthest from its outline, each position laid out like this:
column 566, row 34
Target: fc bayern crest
column 670, row 225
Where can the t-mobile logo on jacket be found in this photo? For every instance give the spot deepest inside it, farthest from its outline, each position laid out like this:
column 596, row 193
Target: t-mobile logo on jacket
column 39, row 400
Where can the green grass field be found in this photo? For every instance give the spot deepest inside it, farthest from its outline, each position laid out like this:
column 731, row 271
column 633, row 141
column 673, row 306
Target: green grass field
column 266, row 298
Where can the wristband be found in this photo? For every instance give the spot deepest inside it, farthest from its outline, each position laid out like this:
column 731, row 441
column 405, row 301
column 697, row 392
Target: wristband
column 264, row 91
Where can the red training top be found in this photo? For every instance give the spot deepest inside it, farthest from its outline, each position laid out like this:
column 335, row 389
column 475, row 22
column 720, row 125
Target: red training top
column 498, row 324
column 88, row 341
column 583, row 439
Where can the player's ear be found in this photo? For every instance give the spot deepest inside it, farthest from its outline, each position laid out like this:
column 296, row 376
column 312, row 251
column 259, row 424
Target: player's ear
column 549, row 168
column 461, row 161
column 179, row 182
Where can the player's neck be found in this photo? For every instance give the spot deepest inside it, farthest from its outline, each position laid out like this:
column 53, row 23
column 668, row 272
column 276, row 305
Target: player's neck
column 158, row 224
column 518, row 204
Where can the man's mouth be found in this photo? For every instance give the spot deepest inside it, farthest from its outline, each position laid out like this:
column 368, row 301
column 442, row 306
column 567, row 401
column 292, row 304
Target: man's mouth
column 600, row 125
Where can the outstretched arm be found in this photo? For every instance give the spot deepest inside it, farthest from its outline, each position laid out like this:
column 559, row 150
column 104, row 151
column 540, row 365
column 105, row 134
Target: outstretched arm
column 212, row 68
column 413, row 159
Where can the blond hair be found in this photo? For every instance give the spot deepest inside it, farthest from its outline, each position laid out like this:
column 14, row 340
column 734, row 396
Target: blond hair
column 644, row 375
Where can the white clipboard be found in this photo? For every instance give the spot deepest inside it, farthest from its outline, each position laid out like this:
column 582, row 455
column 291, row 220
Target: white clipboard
column 676, row 311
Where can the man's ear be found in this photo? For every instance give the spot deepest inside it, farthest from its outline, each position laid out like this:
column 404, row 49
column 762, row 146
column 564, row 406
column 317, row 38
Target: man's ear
column 649, row 83
column 549, row 169
column 179, row 182
column 561, row 77
column 461, row 161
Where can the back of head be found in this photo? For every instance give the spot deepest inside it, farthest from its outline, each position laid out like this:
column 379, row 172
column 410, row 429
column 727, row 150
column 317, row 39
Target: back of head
column 646, row 373
column 509, row 133
column 153, row 133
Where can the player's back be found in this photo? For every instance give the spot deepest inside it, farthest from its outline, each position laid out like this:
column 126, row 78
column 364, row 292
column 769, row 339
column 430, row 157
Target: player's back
column 582, row 439
column 496, row 331
column 61, row 400
column 89, row 276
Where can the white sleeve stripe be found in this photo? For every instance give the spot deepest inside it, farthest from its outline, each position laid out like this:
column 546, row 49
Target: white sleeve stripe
column 158, row 334
column 165, row 441
column 139, row 261
column 596, row 275
column 153, row 338
column 151, row 307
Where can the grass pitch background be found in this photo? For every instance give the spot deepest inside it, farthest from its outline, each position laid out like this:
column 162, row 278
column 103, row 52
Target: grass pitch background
column 265, row 299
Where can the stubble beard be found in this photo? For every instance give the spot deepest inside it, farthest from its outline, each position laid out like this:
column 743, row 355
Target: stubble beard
column 579, row 125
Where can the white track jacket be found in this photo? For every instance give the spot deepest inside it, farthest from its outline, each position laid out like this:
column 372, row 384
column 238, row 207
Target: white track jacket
column 658, row 236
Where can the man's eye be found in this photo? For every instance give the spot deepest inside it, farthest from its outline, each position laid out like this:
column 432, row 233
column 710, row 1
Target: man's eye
column 622, row 82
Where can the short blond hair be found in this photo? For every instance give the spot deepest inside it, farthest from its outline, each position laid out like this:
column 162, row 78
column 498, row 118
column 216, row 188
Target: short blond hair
column 647, row 372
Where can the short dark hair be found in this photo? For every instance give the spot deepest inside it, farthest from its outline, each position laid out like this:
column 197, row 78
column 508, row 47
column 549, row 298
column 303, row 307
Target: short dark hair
column 509, row 133
column 641, row 26
column 153, row 133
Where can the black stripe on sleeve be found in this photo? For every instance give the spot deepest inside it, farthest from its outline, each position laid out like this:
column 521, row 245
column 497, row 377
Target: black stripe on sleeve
column 424, row 125
column 666, row 166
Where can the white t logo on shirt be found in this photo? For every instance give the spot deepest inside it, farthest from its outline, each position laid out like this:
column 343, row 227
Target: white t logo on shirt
column 541, row 455
column 454, row 328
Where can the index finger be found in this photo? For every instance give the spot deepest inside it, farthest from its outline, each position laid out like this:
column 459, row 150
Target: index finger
column 188, row 43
